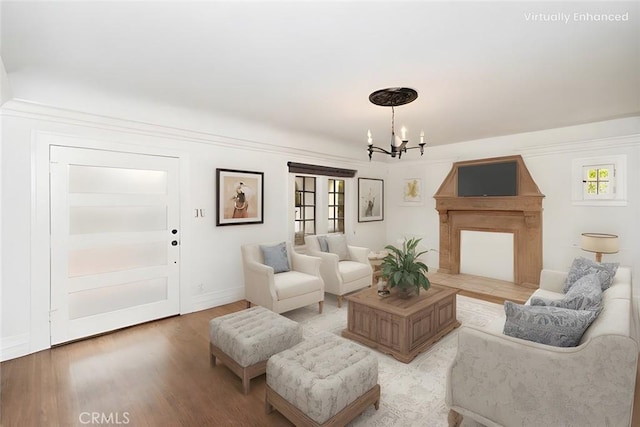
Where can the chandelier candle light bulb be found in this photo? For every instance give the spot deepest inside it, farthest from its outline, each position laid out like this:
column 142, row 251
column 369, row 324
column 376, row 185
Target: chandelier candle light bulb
column 396, row 141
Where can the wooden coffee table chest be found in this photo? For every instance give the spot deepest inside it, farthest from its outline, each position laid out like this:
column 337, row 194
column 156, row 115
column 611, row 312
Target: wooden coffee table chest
column 400, row 327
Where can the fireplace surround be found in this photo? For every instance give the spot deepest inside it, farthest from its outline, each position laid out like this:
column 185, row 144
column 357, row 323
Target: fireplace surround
column 520, row 214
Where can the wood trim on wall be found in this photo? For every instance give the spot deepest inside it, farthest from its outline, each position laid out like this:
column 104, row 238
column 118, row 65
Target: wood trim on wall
column 520, row 215
column 320, row 170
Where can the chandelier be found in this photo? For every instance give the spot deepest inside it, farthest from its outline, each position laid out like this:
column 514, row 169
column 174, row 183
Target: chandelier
column 393, row 97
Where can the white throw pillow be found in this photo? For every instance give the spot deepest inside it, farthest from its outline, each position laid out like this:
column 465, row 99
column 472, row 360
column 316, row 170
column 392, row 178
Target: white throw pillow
column 338, row 245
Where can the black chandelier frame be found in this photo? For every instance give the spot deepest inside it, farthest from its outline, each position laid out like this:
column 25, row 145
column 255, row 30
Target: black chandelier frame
column 394, row 97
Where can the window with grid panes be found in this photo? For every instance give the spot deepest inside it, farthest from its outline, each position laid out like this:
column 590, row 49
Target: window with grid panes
column 336, row 206
column 599, row 181
column 305, row 206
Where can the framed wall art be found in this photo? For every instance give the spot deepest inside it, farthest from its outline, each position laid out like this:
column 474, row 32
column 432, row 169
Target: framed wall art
column 240, row 197
column 412, row 192
column 370, row 199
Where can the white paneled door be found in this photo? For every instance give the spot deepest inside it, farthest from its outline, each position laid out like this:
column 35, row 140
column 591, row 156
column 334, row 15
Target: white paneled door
column 115, row 240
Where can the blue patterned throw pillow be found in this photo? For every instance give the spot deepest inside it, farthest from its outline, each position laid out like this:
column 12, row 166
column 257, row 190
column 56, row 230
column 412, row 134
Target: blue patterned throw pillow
column 584, row 294
column 276, row 257
column 560, row 327
column 322, row 241
column 581, row 266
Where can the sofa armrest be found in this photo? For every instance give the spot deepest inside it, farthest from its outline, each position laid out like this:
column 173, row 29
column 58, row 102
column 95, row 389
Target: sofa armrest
column 359, row 254
column 306, row 264
column 259, row 285
column 552, row 280
column 501, row 380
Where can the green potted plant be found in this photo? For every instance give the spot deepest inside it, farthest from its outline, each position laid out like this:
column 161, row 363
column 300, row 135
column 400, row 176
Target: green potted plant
column 403, row 269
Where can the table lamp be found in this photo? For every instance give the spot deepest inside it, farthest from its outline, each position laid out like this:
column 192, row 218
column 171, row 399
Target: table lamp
column 600, row 243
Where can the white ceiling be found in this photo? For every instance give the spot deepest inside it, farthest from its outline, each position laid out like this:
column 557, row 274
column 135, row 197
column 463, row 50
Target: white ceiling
column 481, row 68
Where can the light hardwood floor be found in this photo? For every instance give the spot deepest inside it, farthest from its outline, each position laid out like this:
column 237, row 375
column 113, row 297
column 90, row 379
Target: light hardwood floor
column 155, row 374
column 483, row 287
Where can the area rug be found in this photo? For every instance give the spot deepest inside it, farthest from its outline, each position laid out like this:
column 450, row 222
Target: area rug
column 411, row 394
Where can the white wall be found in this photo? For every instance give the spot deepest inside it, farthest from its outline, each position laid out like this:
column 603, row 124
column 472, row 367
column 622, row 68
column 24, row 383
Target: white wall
column 5, row 88
column 4, row 94
column 210, row 256
column 548, row 156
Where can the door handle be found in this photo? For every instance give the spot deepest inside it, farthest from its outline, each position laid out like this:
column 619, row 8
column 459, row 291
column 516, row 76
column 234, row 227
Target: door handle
column 174, row 243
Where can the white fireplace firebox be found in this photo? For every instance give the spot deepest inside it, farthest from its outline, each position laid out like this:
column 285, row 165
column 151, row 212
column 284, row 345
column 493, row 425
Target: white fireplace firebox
column 487, row 254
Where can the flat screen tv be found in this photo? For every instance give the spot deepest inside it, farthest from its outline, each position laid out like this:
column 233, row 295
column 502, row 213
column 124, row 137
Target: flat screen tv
column 490, row 179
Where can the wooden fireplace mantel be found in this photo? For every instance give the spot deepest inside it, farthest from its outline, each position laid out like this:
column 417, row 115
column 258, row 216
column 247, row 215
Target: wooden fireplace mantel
column 520, row 215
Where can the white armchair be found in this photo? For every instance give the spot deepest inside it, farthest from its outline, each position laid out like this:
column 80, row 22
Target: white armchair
column 340, row 277
column 279, row 292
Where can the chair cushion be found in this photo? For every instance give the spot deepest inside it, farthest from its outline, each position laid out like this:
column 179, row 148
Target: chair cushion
column 581, row 266
column 293, row 283
column 276, row 257
column 555, row 326
column 546, row 295
column 338, row 245
column 352, row 271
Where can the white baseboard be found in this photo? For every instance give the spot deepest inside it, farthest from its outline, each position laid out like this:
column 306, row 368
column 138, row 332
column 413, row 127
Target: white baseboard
column 15, row 346
column 20, row 345
column 215, row 299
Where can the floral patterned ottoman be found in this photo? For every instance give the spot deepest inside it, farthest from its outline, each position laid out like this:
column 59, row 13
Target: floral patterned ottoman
column 244, row 340
column 325, row 380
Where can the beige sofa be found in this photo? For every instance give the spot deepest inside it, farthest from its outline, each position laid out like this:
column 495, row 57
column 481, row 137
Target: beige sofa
column 498, row 380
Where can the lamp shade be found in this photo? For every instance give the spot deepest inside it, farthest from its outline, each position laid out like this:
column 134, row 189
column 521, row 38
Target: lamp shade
column 599, row 243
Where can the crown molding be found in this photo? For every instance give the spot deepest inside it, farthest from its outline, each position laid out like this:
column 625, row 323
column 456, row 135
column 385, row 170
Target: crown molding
column 447, row 153
column 35, row 111
column 442, row 154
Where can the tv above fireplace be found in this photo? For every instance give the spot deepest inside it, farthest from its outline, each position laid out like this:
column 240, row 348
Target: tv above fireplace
column 488, row 179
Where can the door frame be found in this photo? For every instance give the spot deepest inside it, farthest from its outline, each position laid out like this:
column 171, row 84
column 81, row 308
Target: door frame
column 40, row 329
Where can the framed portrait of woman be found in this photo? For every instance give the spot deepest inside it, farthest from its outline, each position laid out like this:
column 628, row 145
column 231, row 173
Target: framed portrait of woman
column 240, row 197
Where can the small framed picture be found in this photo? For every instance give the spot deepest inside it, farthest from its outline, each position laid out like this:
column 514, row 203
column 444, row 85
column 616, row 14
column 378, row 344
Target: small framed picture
column 412, row 192
column 240, row 197
column 370, row 199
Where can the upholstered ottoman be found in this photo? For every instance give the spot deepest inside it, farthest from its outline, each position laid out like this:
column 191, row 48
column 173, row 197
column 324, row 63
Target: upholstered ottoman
column 323, row 381
column 246, row 339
